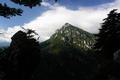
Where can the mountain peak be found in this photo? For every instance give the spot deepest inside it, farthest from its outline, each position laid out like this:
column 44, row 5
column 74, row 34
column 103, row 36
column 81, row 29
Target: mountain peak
column 67, row 24
column 73, row 36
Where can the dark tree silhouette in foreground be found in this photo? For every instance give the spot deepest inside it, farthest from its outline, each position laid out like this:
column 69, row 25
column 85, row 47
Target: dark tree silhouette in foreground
column 8, row 12
column 108, row 40
column 23, row 57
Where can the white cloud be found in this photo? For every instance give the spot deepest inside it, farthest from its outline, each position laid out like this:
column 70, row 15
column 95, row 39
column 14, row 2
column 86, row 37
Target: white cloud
column 45, row 4
column 87, row 18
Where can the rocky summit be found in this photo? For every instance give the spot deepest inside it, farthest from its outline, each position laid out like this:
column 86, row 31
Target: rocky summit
column 69, row 35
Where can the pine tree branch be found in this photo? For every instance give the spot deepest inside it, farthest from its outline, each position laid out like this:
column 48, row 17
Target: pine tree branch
column 8, row 12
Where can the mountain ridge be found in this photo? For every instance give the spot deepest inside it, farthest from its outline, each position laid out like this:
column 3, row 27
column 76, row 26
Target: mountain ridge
column 72, row 34
column 69, row 36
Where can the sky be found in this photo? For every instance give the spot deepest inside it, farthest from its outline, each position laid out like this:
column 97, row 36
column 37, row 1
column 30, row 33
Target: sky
column 46, row 19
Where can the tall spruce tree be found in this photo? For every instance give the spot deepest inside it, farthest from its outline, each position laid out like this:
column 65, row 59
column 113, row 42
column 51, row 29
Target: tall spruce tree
column 108, row 39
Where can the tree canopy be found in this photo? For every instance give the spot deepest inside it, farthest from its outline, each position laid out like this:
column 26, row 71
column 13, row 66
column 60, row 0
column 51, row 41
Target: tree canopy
column 8, row 12
column 23, row 56
column 109, row 35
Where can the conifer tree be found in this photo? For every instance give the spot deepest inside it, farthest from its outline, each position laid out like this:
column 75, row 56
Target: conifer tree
column 107, row 43
column 108, row 39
